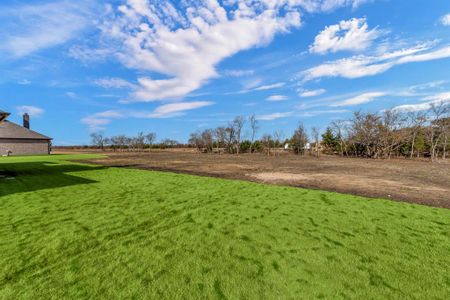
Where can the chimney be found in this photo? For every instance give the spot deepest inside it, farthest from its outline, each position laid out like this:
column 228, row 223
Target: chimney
column 26, row 121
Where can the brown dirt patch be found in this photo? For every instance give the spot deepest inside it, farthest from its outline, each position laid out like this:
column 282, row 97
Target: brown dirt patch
column 398, row 179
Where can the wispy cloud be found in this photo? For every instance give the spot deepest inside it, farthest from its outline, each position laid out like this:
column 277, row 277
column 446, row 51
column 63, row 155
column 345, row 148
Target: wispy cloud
column 98, row 121
column 176, row 109
column 24, row 82
column 315, row 113
column 312, row 93
column 276, row 98
column 351, row 35
column 445, row 20
column 274, row 116
column 329, row 5
column 33, row 111
column 362, row 65
column 110, row 82
column 238, row 73
column 29, row 28
column 269, row 86
column 429, row 101
column 264, row 87
column 71, row 95
column 360, row 99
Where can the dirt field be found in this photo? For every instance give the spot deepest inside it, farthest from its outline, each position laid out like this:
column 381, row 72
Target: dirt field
column 404, row 180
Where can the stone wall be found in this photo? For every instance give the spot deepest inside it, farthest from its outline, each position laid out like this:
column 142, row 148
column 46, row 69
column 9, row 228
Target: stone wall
column 24, row 147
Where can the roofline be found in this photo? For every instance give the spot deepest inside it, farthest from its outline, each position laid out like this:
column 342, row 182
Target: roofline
column 42, row 137
column 14, row 138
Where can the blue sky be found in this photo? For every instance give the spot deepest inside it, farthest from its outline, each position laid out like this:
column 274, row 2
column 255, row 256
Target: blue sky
column 121, row 67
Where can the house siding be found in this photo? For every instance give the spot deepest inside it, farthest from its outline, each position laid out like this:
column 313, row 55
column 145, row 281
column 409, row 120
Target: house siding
column 24, row 147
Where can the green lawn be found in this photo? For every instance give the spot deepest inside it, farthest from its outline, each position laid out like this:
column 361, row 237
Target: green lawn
column 70, row 230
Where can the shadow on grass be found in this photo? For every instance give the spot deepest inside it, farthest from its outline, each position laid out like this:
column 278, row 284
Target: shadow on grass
column 33, row 176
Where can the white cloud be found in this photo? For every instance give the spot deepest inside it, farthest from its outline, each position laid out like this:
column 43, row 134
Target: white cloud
column 327, row 5
column 176, row 109
column 427, row 85
column 87, row 55
column 412, row 107
column 186, row 45
column 98, row 121
column 29, row 28
column 117, row 83
column 253, row 86
column 250, row 83
column 238, row 73
column 351, row 35
column 31, row 110
column 439, row 97
column 445, row 20
column 362, row 65
column 312, row 93
column 71, row 95
column 24, row 82
column 277, row 98
column 269, row 86
column 360, row 99
column 316, row 113
column 274, row 116
column 430, row 100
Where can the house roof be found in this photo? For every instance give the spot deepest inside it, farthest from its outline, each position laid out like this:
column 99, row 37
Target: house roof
column 3, row 115
column 10, row 130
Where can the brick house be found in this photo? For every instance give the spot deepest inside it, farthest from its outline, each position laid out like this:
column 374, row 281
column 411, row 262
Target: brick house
column 20, row 140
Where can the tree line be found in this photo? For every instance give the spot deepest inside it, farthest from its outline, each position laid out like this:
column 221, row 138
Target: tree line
column 390, row 133
column 387, row 134
column 131, row 143
column 240, row 136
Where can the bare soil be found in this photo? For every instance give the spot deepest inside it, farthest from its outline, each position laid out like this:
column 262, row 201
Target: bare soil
column 412, row 181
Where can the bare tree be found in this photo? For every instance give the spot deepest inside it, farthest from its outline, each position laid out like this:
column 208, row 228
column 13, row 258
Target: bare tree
column 366, row 132
column 114, row 142
column 267, row 142
column 169, row 143
column 415, row 120
column 391, row 135
column 437, row 126
column 139, row 141
column 207, row 139
column 315, row 133
column 254, row 129
column 150, row 138
column 238, row 123
column 220, row 135
column 196, row 140
column 278, row 137
column 99, row 140
column 121, row 141
column 446, row 135
column 230, row 134
column 340, row 129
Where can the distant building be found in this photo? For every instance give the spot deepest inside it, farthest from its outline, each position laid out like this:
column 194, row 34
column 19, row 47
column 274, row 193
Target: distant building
column 20, row 140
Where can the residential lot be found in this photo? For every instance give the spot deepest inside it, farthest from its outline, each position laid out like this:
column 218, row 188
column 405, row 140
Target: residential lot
column 71, row 230
column 415, row 181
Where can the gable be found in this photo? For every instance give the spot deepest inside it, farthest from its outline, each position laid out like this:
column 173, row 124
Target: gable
column 10, row 130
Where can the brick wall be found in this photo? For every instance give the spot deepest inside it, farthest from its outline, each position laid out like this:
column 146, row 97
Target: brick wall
column 24, row 147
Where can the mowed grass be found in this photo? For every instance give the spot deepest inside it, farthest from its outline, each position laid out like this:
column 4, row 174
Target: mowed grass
column 71, row 230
